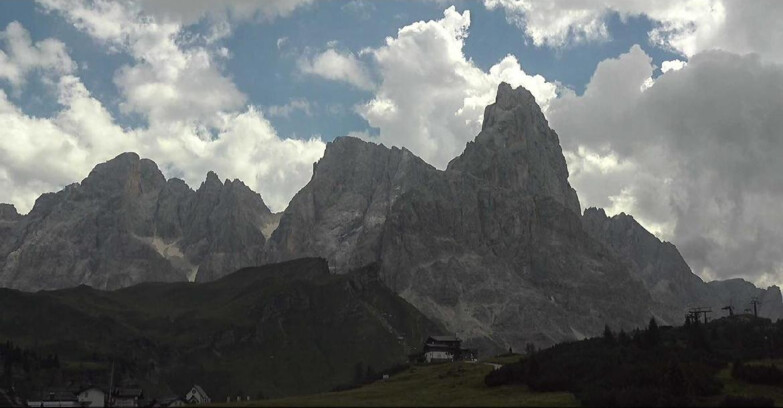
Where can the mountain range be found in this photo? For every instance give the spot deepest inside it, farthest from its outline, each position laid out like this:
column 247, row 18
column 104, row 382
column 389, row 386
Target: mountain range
column 495, row 247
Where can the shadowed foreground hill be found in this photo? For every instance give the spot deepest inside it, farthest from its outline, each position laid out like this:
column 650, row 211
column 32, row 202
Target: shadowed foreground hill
column 281, row 329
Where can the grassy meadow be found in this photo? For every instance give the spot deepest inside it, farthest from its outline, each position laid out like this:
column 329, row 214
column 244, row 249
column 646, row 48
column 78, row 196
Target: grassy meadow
column 447, row 384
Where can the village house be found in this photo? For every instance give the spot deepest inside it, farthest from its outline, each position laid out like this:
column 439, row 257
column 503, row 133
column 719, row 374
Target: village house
column 128, row 397
column 196, row 395
column 55, row 397
column 93, row 396
column 444, row 348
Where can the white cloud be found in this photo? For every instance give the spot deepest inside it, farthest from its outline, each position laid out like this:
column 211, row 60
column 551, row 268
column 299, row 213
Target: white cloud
column 190, row 11
column 694, row 157
column 218, row 31
column 196, row 118
column 83, row 134
column 686, row 26
column 673, row 65
column 292, row 106
column 281, row 42
column 550, row 23
column 431, row 97
column 337, row 66
column 166, row 82
column 43, row 154
column 22, row 56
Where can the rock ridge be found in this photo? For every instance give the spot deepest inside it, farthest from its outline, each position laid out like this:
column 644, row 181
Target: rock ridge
column 125, row 224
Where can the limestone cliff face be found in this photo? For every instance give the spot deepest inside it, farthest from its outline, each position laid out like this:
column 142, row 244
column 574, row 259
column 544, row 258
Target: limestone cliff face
column 125, row 224
column 493, row 247
column 668, row 277
column 341, row 213
column 224, row 228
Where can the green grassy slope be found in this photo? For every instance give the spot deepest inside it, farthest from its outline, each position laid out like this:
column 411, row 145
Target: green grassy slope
column 282, row 329
column 734, row 387
column 449, row 384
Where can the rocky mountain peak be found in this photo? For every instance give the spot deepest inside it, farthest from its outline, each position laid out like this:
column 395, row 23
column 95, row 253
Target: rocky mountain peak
column 212, row 181
column 125, row 224
column 509, row 99
column 516, row 149
column 592, row 212
column 8, row 213
column 354, row 187
column 514, row 110
column 212, row 190
column 622, row 223
column 365, row 163
column 126, row 173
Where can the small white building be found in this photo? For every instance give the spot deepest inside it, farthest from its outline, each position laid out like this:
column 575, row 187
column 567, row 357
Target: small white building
column 441, row 348
column 196, row 395
column 93, row 396
column 446, row 348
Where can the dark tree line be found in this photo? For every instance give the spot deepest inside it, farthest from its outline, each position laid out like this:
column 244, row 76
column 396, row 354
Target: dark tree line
column 654, row 366
column 18, row 361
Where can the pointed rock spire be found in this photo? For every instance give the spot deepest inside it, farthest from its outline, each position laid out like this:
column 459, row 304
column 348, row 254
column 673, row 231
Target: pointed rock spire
column 516, row 149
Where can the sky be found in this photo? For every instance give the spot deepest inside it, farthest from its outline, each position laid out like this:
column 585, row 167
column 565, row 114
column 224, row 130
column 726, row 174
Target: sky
column 671, row 111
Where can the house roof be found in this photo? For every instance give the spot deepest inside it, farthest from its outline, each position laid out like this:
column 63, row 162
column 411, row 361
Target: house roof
column 128, row 392
column 90, row 387
column 200, row 390
column 445, row 338
column 58, row 394
column 436, row 346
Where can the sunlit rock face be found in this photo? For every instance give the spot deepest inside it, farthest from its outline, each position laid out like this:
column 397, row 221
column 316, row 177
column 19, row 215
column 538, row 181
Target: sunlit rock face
column 125, row 224
column 493, row 246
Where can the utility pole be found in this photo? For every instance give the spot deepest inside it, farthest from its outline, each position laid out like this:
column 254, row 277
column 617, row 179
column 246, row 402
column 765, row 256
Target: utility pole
column 110, row 401
column 698, row 312
column 755, row 302
column 730, row 308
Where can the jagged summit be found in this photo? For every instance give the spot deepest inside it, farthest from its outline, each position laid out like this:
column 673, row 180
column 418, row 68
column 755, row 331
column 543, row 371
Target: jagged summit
column 517, row 149
column 125, row 224
column 212, row 179
column 340, row 214
column 508, row 99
